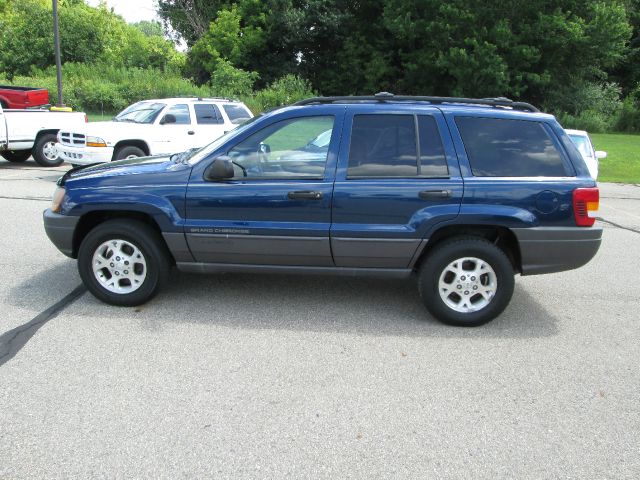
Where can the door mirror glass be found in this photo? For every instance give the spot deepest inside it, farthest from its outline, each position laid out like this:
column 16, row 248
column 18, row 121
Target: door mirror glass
column 220, row 169
column 168, row 118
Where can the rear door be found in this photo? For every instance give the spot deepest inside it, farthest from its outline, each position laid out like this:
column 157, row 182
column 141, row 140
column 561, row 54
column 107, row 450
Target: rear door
column 209, row 123
column 397, row 177
column 277, row 208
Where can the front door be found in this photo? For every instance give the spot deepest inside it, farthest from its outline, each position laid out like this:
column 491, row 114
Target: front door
column 277, row 208
column 397, row 176
column 174, row 131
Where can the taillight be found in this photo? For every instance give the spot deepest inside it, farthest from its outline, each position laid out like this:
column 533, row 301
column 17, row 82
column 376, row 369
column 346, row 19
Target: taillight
column 585, row 205
column 86, row 119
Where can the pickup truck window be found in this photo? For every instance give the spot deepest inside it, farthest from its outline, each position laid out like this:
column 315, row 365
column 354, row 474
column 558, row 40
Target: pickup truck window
column 141, row 112
column 499, row 147
column 208, row 114
column 284, row 149
column 387, row 146
column 181, row 112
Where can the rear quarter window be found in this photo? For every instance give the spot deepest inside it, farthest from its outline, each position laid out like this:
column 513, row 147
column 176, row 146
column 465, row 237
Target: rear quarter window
column 498, row 147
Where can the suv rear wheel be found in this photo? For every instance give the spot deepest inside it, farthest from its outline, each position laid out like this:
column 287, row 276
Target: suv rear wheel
column 466, row 281
column 123, row 262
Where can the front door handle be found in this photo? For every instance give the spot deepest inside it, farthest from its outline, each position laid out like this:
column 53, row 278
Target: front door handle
column 191, row 132
column 430, row 194
column 305, row 195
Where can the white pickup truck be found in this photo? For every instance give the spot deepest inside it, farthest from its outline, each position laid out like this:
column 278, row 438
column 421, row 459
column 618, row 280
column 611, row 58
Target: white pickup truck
column 152, row 127
column 33, row 132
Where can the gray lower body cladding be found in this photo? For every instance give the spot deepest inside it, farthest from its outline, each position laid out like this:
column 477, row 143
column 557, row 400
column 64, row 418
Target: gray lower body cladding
column 556, row 249
column 60, row 230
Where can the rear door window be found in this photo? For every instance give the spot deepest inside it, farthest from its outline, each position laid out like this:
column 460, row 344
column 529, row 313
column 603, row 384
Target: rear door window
column 389, row 145
column 499, row 147
column 207, row 114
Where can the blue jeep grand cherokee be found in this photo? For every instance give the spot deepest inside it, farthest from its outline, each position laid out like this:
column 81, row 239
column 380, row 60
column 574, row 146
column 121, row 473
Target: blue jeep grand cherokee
column 462, row 193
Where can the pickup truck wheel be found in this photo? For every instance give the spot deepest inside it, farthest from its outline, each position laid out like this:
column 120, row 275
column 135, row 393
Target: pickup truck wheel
column 129, row 152
column 16, row 156
column 45, row 152
column 123, row 262
column 466, row 281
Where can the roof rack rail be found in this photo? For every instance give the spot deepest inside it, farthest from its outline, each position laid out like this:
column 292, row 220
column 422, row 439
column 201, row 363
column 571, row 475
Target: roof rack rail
column 390, row 97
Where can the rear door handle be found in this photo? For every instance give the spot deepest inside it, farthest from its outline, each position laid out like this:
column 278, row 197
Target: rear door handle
column 305, row 195
column 191, row 132
column 429, row 194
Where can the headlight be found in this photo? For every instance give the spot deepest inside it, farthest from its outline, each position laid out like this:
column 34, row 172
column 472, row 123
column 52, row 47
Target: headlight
column 56, row 201
column 95, row 142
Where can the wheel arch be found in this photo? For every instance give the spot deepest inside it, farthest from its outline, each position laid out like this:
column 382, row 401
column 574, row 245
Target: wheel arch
column 45, row 131
column 502, row 237
column 91, row 219
column 131, row 142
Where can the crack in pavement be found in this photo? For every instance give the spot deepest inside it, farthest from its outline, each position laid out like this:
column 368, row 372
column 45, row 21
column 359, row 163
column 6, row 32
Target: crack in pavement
column 619, row 226
column 11, row 342
column 37, row 199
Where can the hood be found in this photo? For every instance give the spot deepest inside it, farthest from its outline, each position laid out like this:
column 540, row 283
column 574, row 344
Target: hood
column 137, row 171
column 112, row 131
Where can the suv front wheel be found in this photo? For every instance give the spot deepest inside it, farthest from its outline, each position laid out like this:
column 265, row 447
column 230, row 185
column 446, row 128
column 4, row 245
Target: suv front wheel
column 466, row 281
column 123, row 262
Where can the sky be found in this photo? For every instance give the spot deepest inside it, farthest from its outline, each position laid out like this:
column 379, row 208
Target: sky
column 132, row 10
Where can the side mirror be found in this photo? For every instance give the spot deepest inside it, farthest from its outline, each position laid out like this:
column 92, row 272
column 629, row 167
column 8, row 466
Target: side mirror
column 168, row 118
column 220, row 169
column 601, row 154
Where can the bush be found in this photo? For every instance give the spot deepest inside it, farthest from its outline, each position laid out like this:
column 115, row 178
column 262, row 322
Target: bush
column 629, row 117
column 109, row 89
column 284, row 91
column 589, row 120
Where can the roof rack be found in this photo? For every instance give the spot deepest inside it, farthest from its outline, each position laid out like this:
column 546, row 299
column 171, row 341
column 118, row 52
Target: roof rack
column 390, row 97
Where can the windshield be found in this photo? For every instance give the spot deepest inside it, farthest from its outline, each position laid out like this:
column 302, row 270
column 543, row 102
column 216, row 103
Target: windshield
column 141, row 112
column 198, row 155
column 582, row 143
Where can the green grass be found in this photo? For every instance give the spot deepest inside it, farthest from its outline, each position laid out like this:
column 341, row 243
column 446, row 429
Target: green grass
column 622, row 164
column 98, row 117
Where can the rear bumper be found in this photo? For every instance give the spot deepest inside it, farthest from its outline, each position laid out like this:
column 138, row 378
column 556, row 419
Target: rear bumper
column 556, row 249
column 60, row 230
column 84, row 155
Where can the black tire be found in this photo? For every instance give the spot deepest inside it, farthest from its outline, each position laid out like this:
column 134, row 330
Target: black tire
column 40, row 150
column 16, row 156
column 142, row 237
column 128, row 152
column 445, row 254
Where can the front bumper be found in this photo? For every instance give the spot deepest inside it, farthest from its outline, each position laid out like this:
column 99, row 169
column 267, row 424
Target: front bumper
column 60, row 230
column 556, row 249
column 84, row 155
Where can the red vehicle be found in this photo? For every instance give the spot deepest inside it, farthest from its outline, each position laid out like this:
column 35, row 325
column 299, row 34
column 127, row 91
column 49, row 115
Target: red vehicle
column 12, row 97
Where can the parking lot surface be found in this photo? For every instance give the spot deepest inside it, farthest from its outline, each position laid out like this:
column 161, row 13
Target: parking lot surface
column 248, row 376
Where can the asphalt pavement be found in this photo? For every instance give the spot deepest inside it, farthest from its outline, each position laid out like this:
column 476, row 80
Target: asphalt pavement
column 264, row 376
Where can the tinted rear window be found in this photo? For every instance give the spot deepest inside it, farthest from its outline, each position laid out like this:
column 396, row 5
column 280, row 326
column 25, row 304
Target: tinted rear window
column 236, row 113
column 207, row 114
column 386, row 146
column 499, row 147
